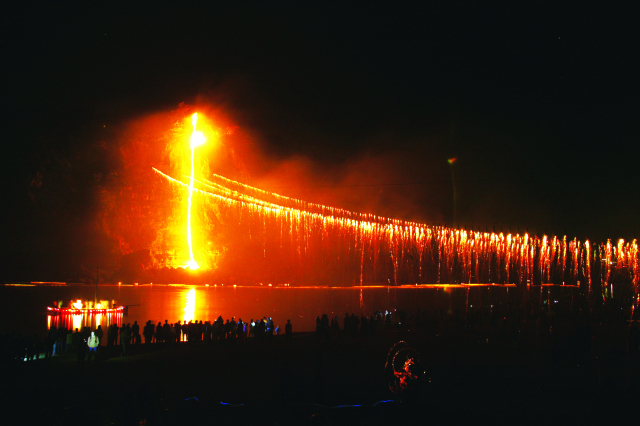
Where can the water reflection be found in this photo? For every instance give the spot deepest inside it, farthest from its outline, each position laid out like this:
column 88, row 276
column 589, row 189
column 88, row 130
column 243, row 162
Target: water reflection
column 300, row 305
column 190, row 308
column 78, row 321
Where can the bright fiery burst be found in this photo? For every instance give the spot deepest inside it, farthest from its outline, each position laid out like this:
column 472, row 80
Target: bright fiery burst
column 197, row 139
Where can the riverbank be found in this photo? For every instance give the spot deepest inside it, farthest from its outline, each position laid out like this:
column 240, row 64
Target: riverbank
column 526, row 378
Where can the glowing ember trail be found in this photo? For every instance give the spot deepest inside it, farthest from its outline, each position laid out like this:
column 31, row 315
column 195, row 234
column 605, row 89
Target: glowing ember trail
column 197, row 139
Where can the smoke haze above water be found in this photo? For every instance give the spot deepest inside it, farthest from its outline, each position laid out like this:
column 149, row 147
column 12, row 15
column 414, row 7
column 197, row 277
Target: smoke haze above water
column 339, row 105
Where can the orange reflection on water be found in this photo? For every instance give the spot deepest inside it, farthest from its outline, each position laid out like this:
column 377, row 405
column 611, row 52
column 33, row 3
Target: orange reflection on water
column 190, row 307
column 79, row 321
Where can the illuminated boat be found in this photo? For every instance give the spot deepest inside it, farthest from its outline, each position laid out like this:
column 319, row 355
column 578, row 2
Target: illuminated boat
column 78, row 308
column 76, row 311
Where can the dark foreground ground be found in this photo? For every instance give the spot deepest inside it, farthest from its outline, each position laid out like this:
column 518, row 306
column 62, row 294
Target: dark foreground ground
column 473, row 376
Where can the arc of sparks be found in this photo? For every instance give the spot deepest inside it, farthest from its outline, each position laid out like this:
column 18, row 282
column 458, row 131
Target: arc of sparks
column 197, row 139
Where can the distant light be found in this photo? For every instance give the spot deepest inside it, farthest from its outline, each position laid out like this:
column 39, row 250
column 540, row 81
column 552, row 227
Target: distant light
column 451, row 160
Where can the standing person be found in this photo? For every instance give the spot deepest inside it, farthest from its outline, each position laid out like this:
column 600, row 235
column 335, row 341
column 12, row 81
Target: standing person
column 233, row 328
column 185, row 330
column 49, row 341
column 62, row 338
column 93, row 342
column 148, row 332
column 288, row 331
column 69, row 341
column 159, row 335
column 125, row 338
column 166, row 332
column 270, row 328
column 77, row 338
column 81, row 349
column 178, row 330
column 116, row 333
column 135, row 331
column 54, row 339
column 99, row 333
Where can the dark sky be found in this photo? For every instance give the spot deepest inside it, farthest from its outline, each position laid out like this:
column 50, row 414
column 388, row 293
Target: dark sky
column 352, row 105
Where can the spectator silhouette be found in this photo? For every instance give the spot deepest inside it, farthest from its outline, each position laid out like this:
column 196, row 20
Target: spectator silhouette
column 288, row 331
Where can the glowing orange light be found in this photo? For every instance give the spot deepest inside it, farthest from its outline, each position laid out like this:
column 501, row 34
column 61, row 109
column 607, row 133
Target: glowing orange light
column 190, row 307
column 78, row 304
column 197, row 139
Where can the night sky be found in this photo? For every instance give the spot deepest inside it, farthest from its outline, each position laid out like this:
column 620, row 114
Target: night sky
column 348, row 105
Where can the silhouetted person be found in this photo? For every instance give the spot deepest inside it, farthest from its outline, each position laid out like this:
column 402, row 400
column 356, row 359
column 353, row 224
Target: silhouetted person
column 148, row 332
column 354, row 322
column 135, row 332
column 69, row 345
column 270, row 328
column 116, row 330
column 288, row 331
column 99, row 333
column 48, row 346
column 335, row 325
column 318, row 327
column 81, row 351
column 178, row 331
column 54, row 339
column 199, row 330
column 252, row 326
column 260, row 329
column 364, row 326
column 324, row 326
column 77, row 337
column 125, row 338
column 191, row 332
column 185, row 330
column 166, row 331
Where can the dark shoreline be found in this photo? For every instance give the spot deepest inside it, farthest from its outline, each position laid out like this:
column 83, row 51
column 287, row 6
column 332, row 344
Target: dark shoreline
column 477, row 375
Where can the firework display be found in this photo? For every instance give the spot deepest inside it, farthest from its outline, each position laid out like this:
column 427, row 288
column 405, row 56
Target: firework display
column 286, row 240
column 365, row 249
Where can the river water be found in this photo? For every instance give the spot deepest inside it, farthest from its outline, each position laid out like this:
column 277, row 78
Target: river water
column 23, row 308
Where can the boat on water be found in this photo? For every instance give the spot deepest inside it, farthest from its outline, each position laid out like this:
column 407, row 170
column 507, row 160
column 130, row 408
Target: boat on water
column 78, row 308
column 78, row 311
